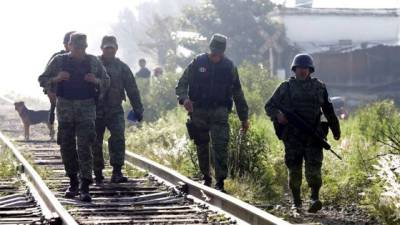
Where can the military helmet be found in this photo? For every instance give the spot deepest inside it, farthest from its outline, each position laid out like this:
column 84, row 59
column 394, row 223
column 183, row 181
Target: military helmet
column 303, row 60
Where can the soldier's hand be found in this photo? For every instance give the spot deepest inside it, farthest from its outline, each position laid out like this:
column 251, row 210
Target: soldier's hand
column 139, row 117
column 245, row 126
column 90, row 77
column 336, row 137
column 61, row 76
column 282, row 118
column 188, row 105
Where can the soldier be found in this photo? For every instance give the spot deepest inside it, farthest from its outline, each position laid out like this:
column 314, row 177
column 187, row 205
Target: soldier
column 306, row 96
column 79, row 80
column 51, row 93
column 111, row 114
column 206, row 89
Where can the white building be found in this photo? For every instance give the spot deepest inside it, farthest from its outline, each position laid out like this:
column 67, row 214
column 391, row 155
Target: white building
column 322, row 29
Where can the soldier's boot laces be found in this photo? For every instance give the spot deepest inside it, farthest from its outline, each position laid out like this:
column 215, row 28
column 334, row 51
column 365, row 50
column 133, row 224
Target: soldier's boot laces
column 117, row 176
column 73, row 189
column 84, row 195
column 220, row 186
column 207, row 181
column 99, row 178
column 315, row 204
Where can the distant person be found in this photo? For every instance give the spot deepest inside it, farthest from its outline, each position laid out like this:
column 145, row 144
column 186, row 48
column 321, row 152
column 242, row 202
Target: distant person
column 143, row 72
column 79, row 80
column 207, row 89
column 306, row 96
column 110, row 114
column 158, row 72
column 51, row 93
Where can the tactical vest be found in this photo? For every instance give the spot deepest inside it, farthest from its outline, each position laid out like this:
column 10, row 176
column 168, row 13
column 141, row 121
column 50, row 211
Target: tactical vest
column 76, row 88
column 306, row 98
column 211, row 84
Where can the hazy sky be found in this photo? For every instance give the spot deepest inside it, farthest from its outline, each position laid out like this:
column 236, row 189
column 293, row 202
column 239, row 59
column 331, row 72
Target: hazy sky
column 33, row 30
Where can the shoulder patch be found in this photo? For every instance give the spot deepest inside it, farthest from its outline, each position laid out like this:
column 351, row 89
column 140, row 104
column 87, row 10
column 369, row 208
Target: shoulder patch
column 202, row 69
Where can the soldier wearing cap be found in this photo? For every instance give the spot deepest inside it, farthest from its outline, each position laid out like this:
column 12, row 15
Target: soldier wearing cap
column 110, row 113
column 51, row 93
column 306, row 96
column 207, row 89
column 80, row 81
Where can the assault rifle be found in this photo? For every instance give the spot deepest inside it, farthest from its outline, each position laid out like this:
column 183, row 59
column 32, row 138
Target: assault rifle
column 302, row 125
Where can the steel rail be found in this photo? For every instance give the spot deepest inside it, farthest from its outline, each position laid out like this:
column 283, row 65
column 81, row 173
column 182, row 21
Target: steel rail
column 227, row 203
column 47, row 196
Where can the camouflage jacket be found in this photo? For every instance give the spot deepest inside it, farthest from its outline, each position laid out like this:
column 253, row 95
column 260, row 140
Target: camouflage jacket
column 56, row 65
column 306, row 98
column 122, row 81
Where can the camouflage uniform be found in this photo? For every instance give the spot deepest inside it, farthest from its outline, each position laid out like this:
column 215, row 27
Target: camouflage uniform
column 76, row 110
column 306, row 97
column 211, row 87
column 111, row 113
column 51, row 97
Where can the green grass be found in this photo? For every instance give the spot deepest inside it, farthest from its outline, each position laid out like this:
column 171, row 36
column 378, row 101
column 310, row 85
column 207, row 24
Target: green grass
column 7, row 167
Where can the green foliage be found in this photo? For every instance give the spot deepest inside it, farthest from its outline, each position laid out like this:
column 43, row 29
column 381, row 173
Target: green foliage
column 258, row 85
column 256, row 160
column 256, row 157
column 257, row 33
column 159, row 96
column 7, row 168
column 164, row 141
column 380, row 123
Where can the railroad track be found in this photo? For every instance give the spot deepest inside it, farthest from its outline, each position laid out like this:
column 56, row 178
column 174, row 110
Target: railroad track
column 154, row 194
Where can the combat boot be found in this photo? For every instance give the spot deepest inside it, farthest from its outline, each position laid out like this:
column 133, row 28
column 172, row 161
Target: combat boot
column 73, row 189
column 99, row 178
column 315, row 204
column 207, row 181
column 220, row 185
column 117, row 176
column 84, row 195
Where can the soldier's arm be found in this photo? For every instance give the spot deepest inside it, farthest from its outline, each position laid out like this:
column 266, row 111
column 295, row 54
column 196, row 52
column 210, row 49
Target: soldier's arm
column 270, row 108
column 238, row 97
column 45, row 79
column 329, row 113
column 103, row 80
column 182, row 88
column 132, row 90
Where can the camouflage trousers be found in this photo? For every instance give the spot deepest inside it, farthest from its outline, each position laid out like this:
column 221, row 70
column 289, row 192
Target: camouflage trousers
column 299, row 149
column 211, row 125
column 113, row 120
column 76, row 135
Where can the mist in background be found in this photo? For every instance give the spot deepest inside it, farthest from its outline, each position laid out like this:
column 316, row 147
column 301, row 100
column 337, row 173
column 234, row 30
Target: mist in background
column 33, row 30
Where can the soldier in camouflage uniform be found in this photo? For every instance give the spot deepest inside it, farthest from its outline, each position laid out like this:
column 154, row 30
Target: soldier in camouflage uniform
column 306, row 96
column 79, row 80
column 110, row 113
column 206, row 90
column 51, row 93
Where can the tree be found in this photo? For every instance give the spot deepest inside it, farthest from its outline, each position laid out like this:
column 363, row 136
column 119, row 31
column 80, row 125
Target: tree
column 246, row 22
column 147, row 31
